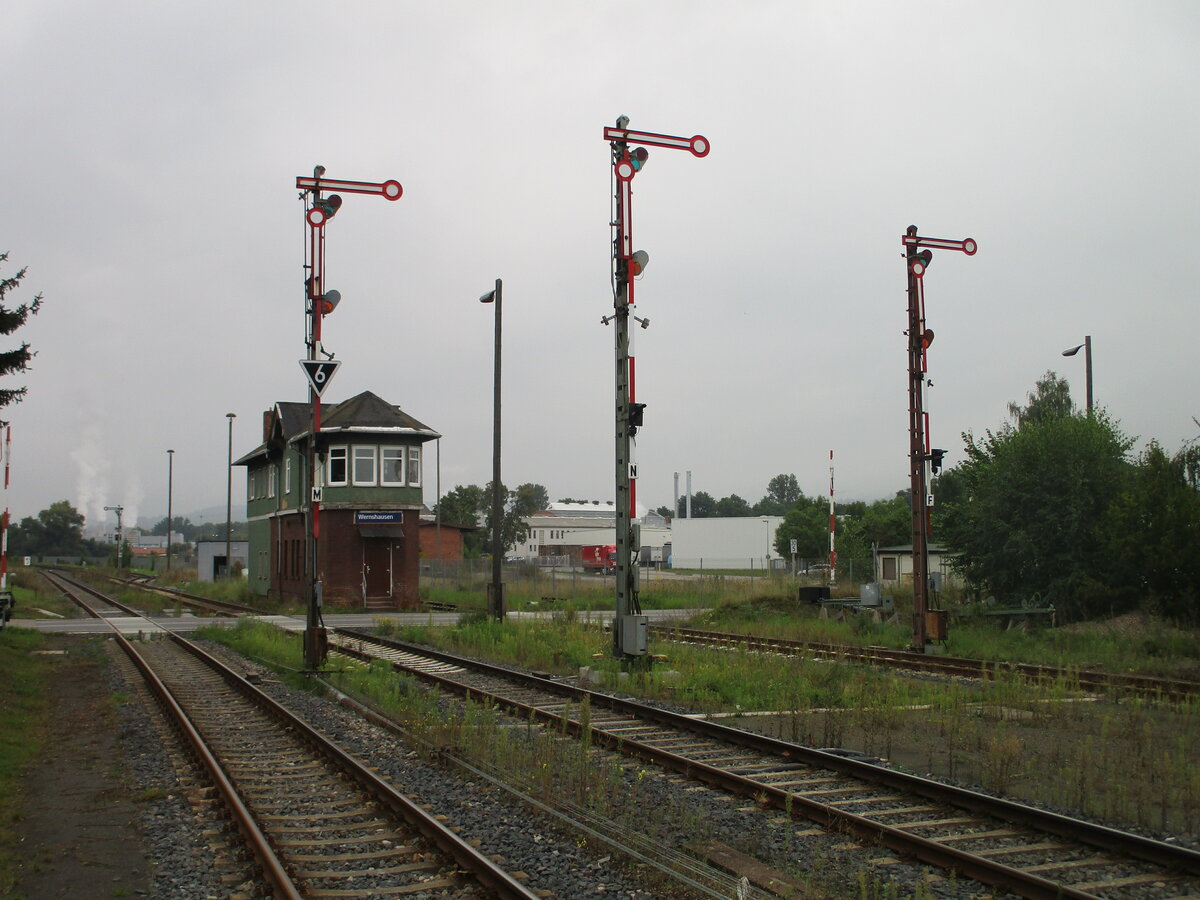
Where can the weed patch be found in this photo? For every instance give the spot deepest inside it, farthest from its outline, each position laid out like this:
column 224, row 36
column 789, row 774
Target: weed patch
column 22, row 705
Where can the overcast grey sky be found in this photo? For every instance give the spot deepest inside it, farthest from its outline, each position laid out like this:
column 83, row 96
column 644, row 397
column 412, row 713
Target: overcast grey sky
column 150, row 157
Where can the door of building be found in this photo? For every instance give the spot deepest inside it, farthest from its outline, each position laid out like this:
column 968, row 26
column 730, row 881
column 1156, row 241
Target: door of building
column 377, row 569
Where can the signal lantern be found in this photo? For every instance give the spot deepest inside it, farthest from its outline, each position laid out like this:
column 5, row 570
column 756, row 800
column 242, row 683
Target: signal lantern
column 323, row 210
column 638, row 263
column 920, row 262
column 636, row 415
column 329, row 205
column 329, row 301
column 638, row 157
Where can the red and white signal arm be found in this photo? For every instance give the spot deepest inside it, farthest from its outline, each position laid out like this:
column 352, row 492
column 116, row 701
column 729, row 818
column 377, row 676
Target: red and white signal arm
column 388, row 190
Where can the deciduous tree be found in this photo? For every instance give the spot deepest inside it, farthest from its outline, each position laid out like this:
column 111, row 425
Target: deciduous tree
column 1152, row 533
column 732, row 506
column 1030, row 500
column 808, row 523
column 1050, row 399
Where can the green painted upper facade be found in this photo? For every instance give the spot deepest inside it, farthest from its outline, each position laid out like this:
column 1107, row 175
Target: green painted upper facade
column 369, row 454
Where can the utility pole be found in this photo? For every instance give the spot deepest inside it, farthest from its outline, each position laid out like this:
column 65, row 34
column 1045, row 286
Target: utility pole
column 319, row 302
column 495, row 596
column 170, row 490
column 918, row 253
column 229, row 500
column 630, row 626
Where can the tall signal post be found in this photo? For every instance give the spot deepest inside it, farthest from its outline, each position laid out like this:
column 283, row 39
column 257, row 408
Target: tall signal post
column 319, row 301
column 120, row 532
column 923, row 460
column 832, row 527
column 629, row 626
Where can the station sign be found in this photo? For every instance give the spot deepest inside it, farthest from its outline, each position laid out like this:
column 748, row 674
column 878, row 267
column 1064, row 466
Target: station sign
column 382, row 517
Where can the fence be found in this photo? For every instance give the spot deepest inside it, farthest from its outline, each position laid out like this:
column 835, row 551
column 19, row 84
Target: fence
column 560, row 577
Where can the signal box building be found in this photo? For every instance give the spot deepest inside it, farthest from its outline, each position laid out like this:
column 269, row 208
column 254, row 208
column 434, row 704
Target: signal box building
column 369, row 467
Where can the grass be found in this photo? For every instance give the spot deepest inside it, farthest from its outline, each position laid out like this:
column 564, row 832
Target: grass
column 1129, row 762
column 275, row 647
column 22, row 707
column 527, row 588
column 32, row 592
column 1127, row 644
column 707, row 680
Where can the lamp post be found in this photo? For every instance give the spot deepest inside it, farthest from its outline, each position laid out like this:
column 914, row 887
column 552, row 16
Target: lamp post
column 229, row 498
column 1087, row 362
column 496, row 589
column 170, row 479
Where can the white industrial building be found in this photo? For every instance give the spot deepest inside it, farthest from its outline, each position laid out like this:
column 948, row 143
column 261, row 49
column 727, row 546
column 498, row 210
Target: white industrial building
column 743, row 542
column 557, row 534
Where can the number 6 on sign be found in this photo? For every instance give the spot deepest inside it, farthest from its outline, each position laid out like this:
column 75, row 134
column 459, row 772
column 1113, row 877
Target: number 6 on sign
column 319, row 372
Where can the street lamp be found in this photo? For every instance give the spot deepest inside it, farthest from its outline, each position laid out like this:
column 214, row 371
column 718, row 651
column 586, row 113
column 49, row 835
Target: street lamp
column 496, row 589
column 170, row 479
column 1087, row 362
column 229, row 498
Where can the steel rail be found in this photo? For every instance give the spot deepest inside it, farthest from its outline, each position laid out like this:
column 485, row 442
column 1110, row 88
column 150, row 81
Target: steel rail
column 654, row 856
column 1113, row 840
column 69, row 586
column 273, row 870
column 223, row 607
column 487, row 872
column 953, row 665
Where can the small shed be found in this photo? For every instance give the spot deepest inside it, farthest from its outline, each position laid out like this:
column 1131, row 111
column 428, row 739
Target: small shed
column 895, row 564
column 212, row 564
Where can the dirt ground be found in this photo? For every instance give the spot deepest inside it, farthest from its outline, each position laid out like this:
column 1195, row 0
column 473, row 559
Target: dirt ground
column 80, row 826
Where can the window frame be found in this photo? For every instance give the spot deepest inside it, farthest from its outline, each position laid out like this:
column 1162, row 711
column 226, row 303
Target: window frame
column 373, row 450
column 345, row 460
column 391, row 452
column 413, row 464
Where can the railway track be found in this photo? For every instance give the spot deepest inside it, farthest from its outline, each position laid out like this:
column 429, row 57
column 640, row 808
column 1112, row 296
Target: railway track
column 318, row 822
column 93, row 602
column 1027, row 851
column 1141, row 685
column 194, row 601
column 208, row 604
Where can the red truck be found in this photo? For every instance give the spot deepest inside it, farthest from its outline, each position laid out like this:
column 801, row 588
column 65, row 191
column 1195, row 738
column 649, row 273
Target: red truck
column 599, row 557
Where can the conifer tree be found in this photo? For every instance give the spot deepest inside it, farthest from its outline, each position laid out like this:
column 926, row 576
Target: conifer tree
column 12, row 318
